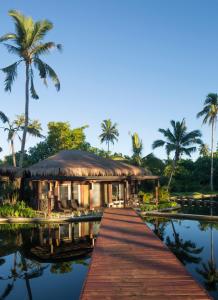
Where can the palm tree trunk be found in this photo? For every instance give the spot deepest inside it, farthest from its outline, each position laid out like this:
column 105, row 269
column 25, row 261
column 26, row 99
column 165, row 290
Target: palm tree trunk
column 171, row 175
column 29, row 292
column 26, row 116
column 13, row 152
column 211, row 170
column 108, row 147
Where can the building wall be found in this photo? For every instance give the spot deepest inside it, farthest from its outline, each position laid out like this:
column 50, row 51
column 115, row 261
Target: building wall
column 70, row 195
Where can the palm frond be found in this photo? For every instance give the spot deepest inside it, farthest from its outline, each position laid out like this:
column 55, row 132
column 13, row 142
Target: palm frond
column 32, row 87
column 8, row 36
column 34, row 132
column 158, row 143
column 41, row 67
column 51, row 73
column 19, row 21
column 43, row 48
column 11, row 74
column 3, row 117
column 40, row 30
column 12, row 49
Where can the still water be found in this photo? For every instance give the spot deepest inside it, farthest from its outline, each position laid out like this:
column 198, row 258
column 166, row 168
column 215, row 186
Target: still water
column 200, row 210
column 40, row 262
column 195, row 243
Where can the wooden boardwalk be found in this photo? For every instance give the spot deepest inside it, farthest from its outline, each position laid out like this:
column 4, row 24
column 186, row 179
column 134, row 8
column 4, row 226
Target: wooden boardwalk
column 130, row 262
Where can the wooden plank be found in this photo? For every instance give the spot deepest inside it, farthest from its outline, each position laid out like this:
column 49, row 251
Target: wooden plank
column 130, row 262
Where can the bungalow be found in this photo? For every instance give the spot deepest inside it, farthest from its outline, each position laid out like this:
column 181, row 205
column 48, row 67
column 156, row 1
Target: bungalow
column 74, row 179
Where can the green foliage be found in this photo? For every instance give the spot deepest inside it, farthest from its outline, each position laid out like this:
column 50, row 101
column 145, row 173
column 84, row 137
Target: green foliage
column 148, row 197
column 17, row 210
column 149, row 200
column 9, row 191
column 137, row 147
column 60, row 137
column 164, row 194
column 154, row 164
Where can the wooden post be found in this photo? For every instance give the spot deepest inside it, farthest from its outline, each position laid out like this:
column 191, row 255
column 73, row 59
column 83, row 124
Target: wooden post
column 90, row 195
column 39, row 194
column 126, row 197
column 157, row 192
column 109, row 186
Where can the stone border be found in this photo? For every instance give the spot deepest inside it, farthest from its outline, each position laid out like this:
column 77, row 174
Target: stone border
column 12, row 220
column 178, row 216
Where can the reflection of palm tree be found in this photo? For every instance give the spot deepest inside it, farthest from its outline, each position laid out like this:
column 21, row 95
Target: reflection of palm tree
column 209, row 270
column 159, row 228
column 66, row 267
column 22, row 270
column 185, row 251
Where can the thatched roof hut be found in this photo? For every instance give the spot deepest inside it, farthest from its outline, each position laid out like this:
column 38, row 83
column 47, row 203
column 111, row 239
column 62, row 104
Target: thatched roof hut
column 76, row 163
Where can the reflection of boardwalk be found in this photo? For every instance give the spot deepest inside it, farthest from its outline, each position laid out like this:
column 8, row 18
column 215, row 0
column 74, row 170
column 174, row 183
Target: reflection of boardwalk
column 130, row 262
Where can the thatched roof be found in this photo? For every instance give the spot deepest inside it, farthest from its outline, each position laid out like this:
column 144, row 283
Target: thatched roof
column 76, row 163
column 10, row 171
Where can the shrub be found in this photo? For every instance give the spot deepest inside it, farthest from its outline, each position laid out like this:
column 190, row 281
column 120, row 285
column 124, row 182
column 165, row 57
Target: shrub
column 17, row 210
column 148, row 197
column 164, row 195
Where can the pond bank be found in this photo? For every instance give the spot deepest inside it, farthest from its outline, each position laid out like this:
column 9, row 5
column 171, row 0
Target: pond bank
column 38, row 220
column 179, row 216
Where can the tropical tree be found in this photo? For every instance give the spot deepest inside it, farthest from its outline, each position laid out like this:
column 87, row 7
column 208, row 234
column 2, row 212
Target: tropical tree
column 178, row 141
column 204, row 150
column 137, row 147
column 209, row 114
column 13, row 129
column 109, row 133
column 28, row 44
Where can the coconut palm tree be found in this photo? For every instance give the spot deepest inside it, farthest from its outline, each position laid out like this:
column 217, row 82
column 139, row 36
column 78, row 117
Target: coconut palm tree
column 210, row 114
column 28, row 44
column 13, row 128
column 137, row 147
column 178, row 141
column 109, row 133
column 204, row 150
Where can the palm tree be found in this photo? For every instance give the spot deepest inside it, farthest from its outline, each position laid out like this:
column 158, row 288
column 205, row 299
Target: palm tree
column 28, row 45
column 13, row 128
column 209, row 114
column 109, row 133
column 137, row 147
column 204, row 150
column 178, row 141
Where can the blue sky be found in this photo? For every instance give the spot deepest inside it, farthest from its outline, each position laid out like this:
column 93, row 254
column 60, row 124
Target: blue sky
column 140, row 63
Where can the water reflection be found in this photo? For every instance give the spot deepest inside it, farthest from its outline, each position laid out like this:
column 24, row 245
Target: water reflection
column 209, row 270
column 195, row 243
column 185, row 250
column 30, row 257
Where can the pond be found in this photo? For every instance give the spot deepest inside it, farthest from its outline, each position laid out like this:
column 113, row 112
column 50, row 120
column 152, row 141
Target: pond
column 42, row 262
column 199, row 210
column 195, row 243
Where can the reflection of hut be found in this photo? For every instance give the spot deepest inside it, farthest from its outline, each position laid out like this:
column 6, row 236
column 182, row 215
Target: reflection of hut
column 10, row 182
column 73, row 179
column 58, row 243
